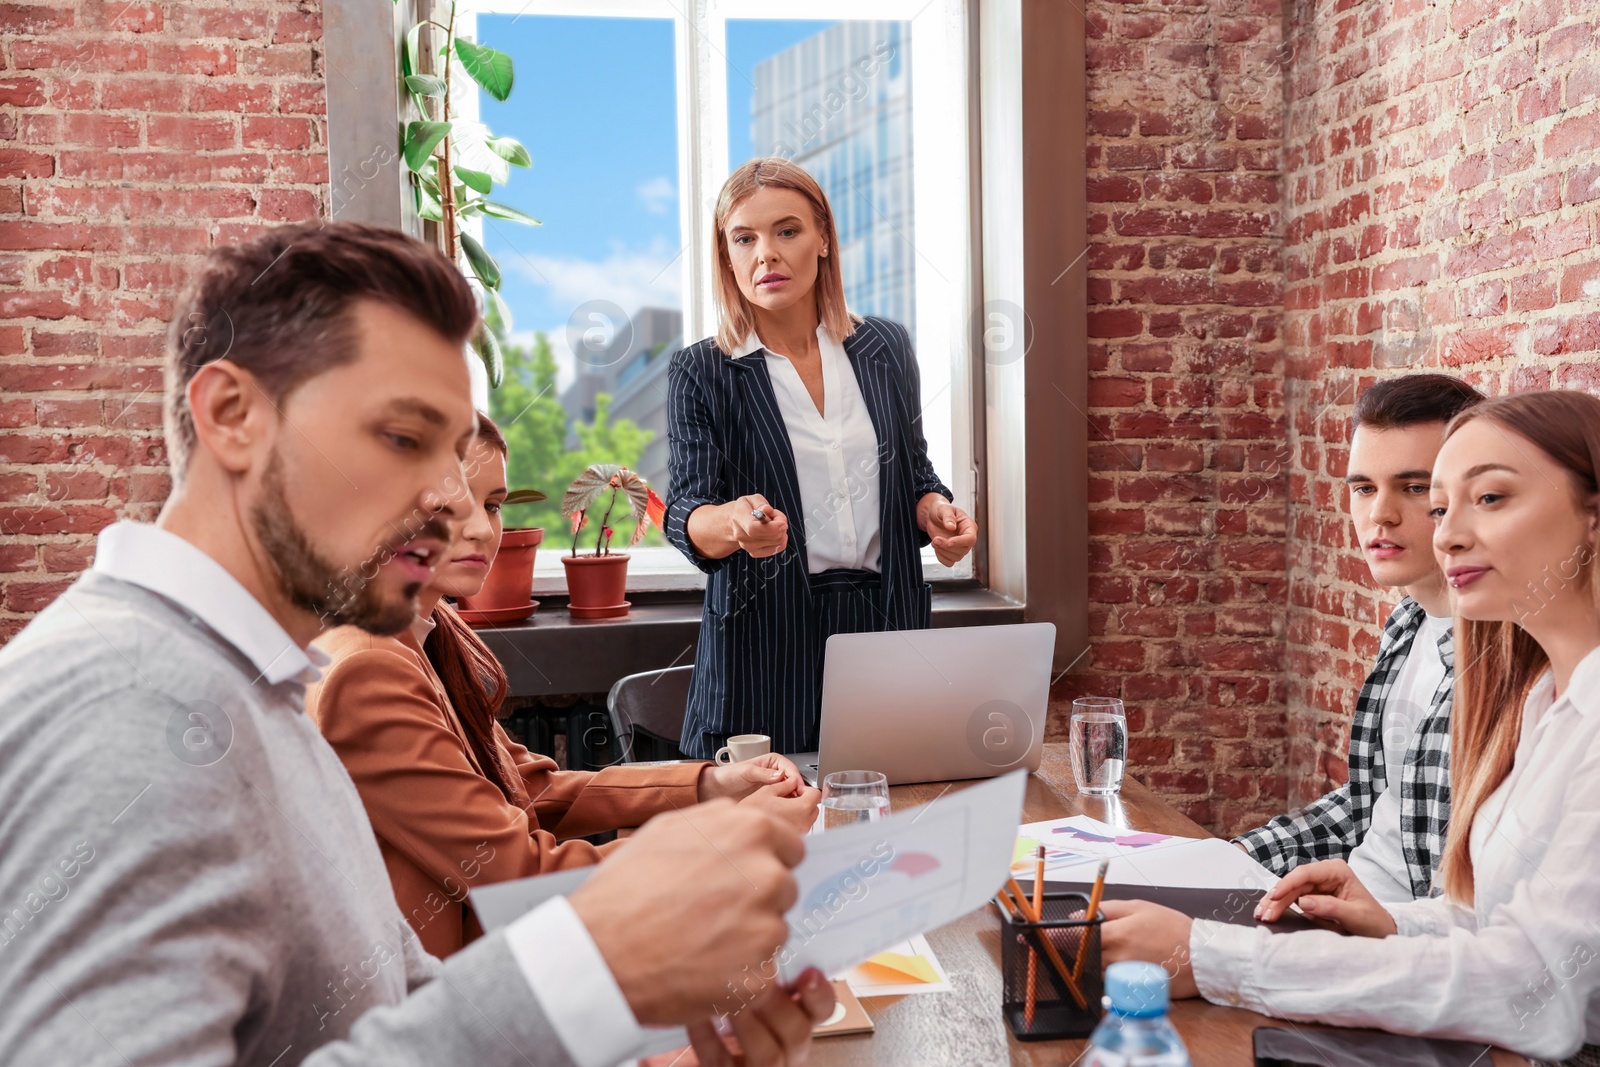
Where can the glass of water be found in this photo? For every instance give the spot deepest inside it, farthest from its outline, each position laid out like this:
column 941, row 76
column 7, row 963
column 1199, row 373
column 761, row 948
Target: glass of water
column 849, row 797
column 1099, row 744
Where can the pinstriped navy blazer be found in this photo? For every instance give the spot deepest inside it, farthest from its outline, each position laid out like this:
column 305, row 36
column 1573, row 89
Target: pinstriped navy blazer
column 758, row 667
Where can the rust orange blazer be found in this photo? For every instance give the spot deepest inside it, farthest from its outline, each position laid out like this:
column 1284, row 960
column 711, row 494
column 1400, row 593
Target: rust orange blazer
column 441, row 825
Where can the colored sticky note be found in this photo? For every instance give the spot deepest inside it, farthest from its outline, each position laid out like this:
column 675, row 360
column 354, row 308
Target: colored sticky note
column 916, row 968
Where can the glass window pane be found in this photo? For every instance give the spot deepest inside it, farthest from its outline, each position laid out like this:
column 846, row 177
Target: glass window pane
column 595, row 292
column 835, row 97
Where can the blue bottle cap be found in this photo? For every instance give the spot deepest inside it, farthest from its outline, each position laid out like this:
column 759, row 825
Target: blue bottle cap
column 1136, row 989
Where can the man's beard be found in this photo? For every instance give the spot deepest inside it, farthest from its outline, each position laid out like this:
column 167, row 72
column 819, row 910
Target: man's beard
column 341, row 596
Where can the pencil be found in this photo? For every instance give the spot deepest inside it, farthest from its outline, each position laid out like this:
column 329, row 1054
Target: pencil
column 1021, row 899
column 1094, row 909
column 1020, row 904
column 1038, row 914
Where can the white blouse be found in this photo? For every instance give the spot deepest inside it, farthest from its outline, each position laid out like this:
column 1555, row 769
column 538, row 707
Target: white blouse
column 835, row 457
column 1519, row 969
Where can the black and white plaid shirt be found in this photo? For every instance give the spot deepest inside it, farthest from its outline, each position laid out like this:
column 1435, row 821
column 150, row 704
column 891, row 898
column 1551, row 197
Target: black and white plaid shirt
column 1330, row 828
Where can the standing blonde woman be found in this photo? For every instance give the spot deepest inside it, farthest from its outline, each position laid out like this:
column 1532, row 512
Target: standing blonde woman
column 800, row 479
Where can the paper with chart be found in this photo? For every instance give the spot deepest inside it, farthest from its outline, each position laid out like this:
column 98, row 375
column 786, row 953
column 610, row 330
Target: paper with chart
column 866, row 887
column 1075, row 846
column 1077, row 840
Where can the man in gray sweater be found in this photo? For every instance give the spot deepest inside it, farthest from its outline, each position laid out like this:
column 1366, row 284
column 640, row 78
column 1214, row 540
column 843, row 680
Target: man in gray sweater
column 187, row 875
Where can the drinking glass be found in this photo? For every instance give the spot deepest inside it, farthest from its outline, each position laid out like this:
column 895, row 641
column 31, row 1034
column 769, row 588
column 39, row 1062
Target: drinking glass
column 849, row 797
column 1099, row 744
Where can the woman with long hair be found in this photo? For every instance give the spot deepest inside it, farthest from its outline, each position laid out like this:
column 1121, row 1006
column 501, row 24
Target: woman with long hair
column 453, row 800
column 799, row 474
column 1510, row 953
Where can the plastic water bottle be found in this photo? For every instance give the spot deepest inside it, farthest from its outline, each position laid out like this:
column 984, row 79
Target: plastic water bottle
column 1136, row 1031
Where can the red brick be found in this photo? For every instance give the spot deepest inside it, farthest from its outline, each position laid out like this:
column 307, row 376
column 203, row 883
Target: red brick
column 1578, row 134
column 192, row 134
column 288, row 205
column 15, row 558
column 1580, row 282
column 192, row 58
column 21, row 92
column 297, row 26
column 32, row 596
column 34, row 19
column 278, row 59
column 16, row 163
column 68, row 557
column 1117, row 323
column 235, row 96
column 139, row 94
column 1116, row 392
column 63, row 56
column 265, row 131
column 76, row 485
column 135, row 17
column 232, row 21
column 53, row 411
column 1583, row 184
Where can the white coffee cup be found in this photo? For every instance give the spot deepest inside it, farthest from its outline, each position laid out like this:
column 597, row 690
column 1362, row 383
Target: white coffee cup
column 741, row 747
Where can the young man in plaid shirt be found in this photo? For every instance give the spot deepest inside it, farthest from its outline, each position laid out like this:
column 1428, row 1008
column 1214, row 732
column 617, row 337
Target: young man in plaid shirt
column 1388, row 821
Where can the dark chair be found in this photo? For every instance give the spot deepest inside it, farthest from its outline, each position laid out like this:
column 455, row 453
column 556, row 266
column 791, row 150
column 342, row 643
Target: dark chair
column 647, row 714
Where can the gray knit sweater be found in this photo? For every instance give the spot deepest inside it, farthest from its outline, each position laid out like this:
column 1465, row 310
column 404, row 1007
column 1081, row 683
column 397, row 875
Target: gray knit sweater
column 187, row 875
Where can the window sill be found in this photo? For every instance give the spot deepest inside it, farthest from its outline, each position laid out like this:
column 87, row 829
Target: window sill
column 554, row 654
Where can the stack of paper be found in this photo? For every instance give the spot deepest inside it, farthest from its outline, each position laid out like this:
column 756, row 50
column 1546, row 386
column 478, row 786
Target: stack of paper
column 1075, row 846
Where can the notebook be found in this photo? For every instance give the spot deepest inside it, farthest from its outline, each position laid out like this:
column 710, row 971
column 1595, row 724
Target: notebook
column 1235, row 906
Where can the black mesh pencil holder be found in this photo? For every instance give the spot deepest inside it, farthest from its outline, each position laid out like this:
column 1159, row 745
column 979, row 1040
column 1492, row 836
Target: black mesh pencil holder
column 1058, row 1011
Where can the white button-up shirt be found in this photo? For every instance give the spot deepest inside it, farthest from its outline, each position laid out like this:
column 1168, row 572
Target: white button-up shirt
column 552, row 947
column 835, row 457
column 1519, row 969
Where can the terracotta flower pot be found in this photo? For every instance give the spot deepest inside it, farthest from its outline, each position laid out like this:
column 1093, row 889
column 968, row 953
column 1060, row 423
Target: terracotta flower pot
column 510, row 580
column 597, row 585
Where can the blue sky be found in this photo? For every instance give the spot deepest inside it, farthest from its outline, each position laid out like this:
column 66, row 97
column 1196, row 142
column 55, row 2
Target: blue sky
column 595, row 103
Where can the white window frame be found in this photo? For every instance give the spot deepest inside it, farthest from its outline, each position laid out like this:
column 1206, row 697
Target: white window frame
column 943, row 186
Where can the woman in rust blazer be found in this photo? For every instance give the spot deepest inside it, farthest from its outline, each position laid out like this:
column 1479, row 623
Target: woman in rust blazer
column 454, row 801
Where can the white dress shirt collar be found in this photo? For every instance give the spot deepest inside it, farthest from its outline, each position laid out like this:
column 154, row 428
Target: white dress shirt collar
column 1582, row 695
column 164, row 563
column 751, row 343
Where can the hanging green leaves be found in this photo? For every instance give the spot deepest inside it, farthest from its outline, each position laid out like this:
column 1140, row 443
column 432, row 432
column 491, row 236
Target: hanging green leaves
column 421, row 139
column 510, row 214
column 425, row 84
column 489, row 67
column 475, row 179
column 455, row 164
column 487, row 346
column 481, row 262
column 509, row 149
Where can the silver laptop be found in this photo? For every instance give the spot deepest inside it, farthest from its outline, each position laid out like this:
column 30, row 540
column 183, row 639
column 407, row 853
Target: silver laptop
column 934, row 705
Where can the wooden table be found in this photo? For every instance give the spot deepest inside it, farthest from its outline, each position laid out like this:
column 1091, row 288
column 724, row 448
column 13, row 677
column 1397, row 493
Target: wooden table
column 964, row 1027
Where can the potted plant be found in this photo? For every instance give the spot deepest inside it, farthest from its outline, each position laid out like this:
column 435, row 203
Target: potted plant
column 597, row 584
column 507, row 593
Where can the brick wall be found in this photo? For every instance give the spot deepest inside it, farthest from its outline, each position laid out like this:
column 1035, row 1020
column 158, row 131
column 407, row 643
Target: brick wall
column 1187, row 581
column 133, row 137
column 1274, row 219
column 1443, row 181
